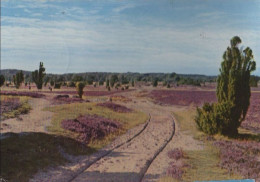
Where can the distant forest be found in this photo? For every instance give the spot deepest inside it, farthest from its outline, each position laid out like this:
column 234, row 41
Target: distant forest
column 123, row 78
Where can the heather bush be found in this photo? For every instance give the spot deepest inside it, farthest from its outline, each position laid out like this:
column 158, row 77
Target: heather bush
column 176, row 154
column 175, row 170
column 65, row 99
column 182, row 97
column 9, row 104
column 240, row 157
column 115, row 107
column 80, row 86
column 91, row 127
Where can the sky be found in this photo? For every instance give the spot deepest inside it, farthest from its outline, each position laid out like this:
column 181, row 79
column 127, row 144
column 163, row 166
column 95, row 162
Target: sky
column 182, row 36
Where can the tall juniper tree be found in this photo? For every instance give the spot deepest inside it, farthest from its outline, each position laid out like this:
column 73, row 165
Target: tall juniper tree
column 233, row 92
column 18, row 78
column 38, row 75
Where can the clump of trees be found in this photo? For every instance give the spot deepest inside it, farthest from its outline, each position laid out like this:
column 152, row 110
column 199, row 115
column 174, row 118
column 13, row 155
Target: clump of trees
column 233, row 93
column 113, row 79
column 80, row 86
column 155, row 82
column 2, row 80
column 18, row 79
column 38, row 75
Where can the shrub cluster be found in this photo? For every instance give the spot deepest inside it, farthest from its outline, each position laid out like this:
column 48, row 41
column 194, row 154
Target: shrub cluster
column 80, row 86
column 115, row 107
column 65, row 99
column 91, row 127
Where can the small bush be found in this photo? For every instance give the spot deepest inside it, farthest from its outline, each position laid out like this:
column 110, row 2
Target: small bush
column 57, row 85
column 176, row 154
column 80, row 86
column 71, row 84
column 115, row 107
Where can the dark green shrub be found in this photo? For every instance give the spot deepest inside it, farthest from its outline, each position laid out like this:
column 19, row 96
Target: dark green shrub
column 80, row 86
column 18, row 78
column 2, row 80
column 155, row 82
column 72, row 84
column 133, row 83
column 57, row 85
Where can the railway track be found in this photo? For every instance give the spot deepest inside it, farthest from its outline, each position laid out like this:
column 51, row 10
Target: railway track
column 110, row 151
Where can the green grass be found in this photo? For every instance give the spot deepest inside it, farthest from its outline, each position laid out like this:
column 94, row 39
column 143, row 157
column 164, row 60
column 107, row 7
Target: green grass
column 203, row 164
column 71, row 111
column 24, row 108
column 23, row 155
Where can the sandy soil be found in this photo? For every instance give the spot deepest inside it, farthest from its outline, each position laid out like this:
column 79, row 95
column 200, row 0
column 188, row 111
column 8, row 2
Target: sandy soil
column 35, row 121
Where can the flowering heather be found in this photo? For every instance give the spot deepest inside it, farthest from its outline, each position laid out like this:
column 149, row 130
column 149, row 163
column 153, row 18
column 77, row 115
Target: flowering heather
column 29, row 94
column 65, row 99
column 91, row 93
column 175, row 154
column 175, row 170
column 240, row 157
column 115, row 107
column 9, row 104
column 183, row 97
column 252, row 121
column 91, row 127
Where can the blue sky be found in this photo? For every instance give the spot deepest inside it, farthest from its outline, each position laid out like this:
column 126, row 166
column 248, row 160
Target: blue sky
column 183, row 36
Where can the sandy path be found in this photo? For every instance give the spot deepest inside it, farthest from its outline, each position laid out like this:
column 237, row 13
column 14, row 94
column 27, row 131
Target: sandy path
column 35, row 121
